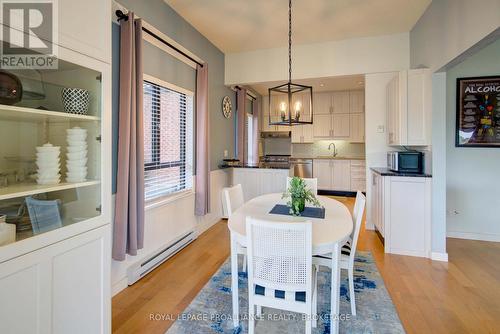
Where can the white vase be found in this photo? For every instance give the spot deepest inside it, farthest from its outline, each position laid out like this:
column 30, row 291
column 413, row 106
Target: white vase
column 7, row 232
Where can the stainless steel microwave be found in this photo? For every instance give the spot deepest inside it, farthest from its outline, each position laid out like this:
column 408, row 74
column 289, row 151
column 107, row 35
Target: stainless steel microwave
column 405, row 161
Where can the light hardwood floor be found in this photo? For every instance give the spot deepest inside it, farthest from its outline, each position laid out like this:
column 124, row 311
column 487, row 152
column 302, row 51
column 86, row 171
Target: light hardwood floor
column 461, row 296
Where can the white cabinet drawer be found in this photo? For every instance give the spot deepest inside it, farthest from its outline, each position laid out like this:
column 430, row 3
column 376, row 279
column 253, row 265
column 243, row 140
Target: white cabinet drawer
column 358, row 163
column 358, row 174
column 358, row 185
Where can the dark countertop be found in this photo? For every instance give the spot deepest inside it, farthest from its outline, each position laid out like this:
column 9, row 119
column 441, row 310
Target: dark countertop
column 253, row 166
column 387, row 172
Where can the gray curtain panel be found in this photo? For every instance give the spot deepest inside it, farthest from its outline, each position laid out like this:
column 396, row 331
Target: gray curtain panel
column 202, row 179
column 256, row 132
column 128, row 230
column 241, row 95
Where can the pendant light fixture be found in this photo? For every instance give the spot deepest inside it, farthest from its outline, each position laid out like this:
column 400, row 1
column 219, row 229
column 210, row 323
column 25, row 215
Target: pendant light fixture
column 290, row 103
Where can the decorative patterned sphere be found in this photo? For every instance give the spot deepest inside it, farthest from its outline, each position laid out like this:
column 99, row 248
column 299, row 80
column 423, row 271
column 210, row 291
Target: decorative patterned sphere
column 76, row 100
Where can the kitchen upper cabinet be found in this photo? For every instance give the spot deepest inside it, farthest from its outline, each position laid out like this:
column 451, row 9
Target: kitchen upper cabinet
column 302, row 134
column 396, row 109
column 341, row 102
column 322, row 126
column 356, row 101
column 323, row 103
column 357, row 128
column 339, row 115
column 419, row 107
column 341, row 126
column 408, row 108
column 265, row 116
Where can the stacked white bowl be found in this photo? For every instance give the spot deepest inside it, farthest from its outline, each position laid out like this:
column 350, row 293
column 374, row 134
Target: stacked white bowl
column 47, row 161
column 76, row 162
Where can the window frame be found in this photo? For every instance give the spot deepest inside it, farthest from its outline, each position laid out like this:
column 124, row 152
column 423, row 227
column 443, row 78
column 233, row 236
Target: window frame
column 166, row 198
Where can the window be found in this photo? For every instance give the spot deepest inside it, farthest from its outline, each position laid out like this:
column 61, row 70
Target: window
column 249, row 137
column 168, row 140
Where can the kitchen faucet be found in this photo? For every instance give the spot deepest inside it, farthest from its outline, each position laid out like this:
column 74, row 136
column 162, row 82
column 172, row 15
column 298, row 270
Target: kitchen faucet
column 334, row 149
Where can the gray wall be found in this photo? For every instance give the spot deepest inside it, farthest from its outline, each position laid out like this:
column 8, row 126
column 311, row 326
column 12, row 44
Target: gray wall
column 450, row 27
column 472, row 174
column 162, row 65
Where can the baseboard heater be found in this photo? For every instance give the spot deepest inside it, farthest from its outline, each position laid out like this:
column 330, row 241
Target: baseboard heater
column 141, row 269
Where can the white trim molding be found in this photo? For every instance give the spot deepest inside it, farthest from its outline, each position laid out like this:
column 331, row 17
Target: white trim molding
column 437, row 256
column 474, row 236
column 163, row 83
column 150, row 39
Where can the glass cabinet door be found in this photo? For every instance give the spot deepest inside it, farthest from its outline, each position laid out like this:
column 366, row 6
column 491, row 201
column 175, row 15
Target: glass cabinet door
column 50, row 149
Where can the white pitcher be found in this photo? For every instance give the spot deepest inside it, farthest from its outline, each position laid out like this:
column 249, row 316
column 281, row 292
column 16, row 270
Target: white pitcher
column 7, row 232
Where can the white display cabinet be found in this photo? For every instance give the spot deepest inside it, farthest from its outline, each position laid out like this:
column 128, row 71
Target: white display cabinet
column 58, row 281
column 68, row 266
column 30, row 123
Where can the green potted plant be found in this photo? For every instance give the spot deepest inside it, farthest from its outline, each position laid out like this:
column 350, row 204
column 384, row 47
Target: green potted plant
column 297, row 195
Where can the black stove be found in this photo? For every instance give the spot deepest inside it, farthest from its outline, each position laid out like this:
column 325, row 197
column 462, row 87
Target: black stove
column 275, row 161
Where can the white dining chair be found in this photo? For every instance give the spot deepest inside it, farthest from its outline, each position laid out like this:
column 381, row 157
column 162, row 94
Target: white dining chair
column 311, row 183
column 232, row 199
column 348, row 250
column 280, row 270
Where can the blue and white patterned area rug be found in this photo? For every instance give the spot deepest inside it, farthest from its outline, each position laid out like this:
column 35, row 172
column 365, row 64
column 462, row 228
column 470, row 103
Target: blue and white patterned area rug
column 210, row 311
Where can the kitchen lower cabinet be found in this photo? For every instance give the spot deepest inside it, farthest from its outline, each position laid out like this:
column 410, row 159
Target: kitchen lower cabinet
column 341, row 175
column 358, row 175
column 322, row 170
column 376, row 206
column 401, row 212
column 61, row 288
column 332, row 174
column 260, row 181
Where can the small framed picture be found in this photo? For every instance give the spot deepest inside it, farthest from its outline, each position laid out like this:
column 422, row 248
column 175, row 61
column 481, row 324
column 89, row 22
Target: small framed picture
column 478, row 112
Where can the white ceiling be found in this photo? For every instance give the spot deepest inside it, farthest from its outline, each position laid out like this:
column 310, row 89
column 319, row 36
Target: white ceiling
column 245, row 25
column 350, row 82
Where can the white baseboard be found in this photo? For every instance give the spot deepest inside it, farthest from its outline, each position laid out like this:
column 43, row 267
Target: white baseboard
column 369, row 226
column 119, row 286
column 437, row 256
column 206, row 224
column 474, row 236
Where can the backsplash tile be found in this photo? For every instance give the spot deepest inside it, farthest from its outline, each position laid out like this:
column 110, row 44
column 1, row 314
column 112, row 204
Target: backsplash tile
column 320, row 148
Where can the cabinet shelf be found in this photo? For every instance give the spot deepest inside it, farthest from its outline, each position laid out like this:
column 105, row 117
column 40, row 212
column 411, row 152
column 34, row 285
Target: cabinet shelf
column 28, row 189
column 13, row 113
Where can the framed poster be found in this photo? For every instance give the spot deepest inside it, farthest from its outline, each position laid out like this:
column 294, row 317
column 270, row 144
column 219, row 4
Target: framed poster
column 478, row 112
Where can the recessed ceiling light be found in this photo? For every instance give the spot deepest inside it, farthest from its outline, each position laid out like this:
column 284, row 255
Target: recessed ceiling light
column 321, row 84
column 360, row 83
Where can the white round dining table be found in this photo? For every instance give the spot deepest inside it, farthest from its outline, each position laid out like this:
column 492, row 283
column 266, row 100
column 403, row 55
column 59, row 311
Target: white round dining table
column 328, row 236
